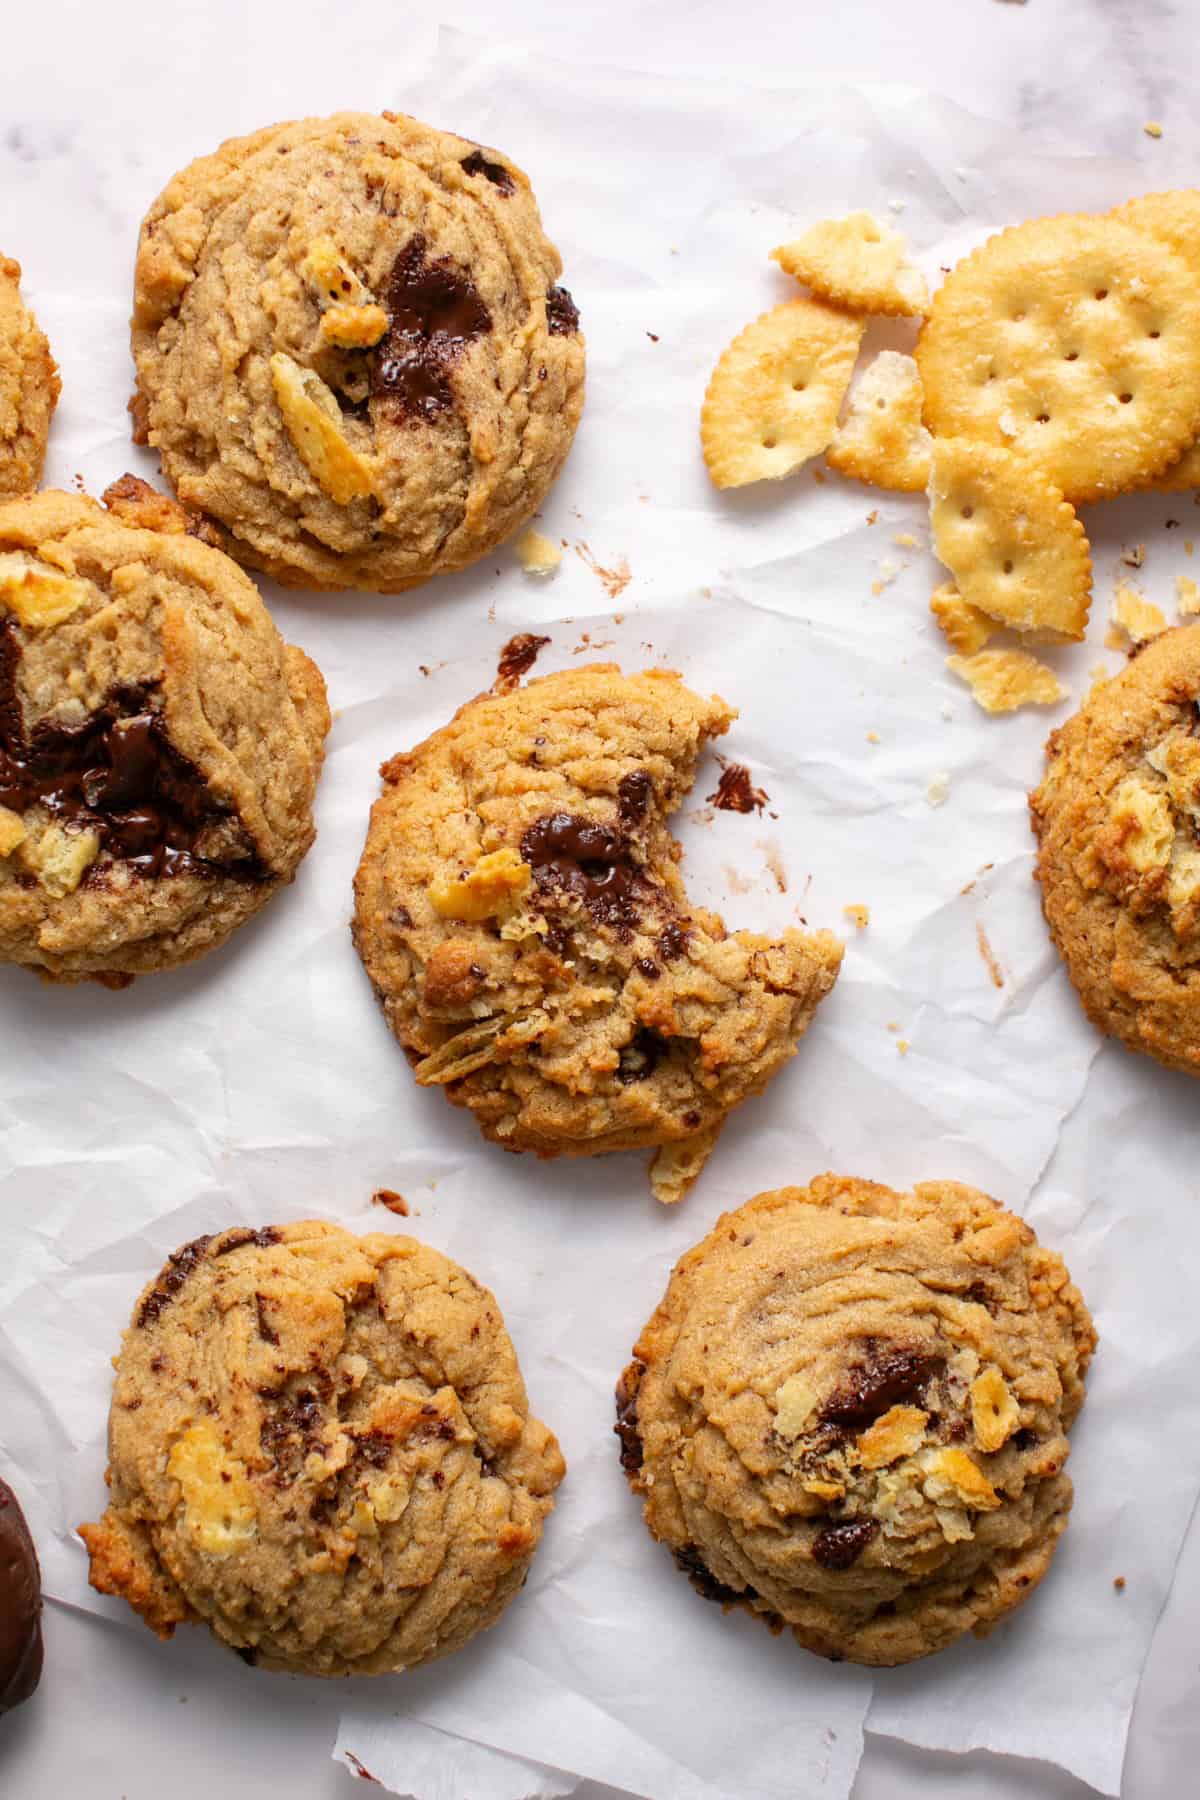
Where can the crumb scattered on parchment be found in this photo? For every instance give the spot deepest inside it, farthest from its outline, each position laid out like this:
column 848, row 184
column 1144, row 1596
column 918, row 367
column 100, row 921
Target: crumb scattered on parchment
column 989, row 956
column 587, row 643
column 614, row 580
column 872, row 517
column 360, row 1769
column 1119, row 1583
column 888, row 571
column 859, row 916
column 1134, row 556
column 538, row 555
column 774, row 862
column 903, row 1046
column 893, row 1024
column 737, row 881
column 1152, row 128
column 516, row 659
column 904, row 540
column 653, row 336
column 873, row 737
column 948, row 712
column 1136, row 616
column 735, row 792
column 395, row 1203
column 938, row 791
column 1187, row 594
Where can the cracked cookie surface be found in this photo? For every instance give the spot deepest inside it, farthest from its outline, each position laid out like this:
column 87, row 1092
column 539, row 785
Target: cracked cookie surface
column 849, row 1414
column 159, row 742
column 320, row 1445
column 521, row 916
column 29, row 388
column 1117, row 817
column 353, row 351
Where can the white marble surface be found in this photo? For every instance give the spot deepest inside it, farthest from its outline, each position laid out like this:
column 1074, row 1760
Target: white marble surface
column 1068, row 67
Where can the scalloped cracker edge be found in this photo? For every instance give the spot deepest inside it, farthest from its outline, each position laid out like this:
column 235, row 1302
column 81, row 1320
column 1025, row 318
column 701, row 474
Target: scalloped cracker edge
column 856, row 262
column 882, row 439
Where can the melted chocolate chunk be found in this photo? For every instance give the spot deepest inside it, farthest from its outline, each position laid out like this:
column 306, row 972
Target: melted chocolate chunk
column 1024, row 1439
column 592, row 862
column 877, row 1384
column 647, row 966
column 20, row 1606
column 516, row 659
column 478, row 164
column 373, row 1447
column 293, row 1430
column 180, row 1265
column 633, row 795
column 562, row 314
column 626, row 1427
column 242, row 1234
column 434, row 312
column 639, row 1058
column 266, row 1330
column 672, row 941
column 838, row 1546
column 736, row 792
column 705, row 1582
column 116, row 773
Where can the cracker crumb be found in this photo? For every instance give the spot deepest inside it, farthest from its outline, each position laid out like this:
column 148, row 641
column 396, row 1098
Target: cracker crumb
column 893, row 1024
column 860, row 916
column 1137, row 617
column 538, row 555
column 873, row 737
column 938, row 791
column 1003, row 680
column 1152, row 128
column 1134, row 556
column 1187, row 594
column 903, row 1046
column 904, row 540
column 948, row 712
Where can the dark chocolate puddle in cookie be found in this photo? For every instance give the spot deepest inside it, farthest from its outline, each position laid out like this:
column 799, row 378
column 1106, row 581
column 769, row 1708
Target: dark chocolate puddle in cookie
column 478, row 164
column 434, row 312
column 590, row 861
column 873, row 1386
column 116, row 773
column 562, row 314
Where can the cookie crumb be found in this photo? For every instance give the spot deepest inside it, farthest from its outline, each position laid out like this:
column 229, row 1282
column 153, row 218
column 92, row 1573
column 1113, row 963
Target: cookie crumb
column 735, row 792
column 516, row 659
column 938, row 790
column 537, row 554
column 859, row 915
column 395, row 1203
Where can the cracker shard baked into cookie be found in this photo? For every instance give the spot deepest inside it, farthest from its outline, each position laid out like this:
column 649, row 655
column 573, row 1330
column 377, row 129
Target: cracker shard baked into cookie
column 522, row 919
column 882, row 438
column 1074, row 341
column 159, row 742
column 353, row 351
column 849, row 1414
column 29, row 388
column 1014, row 546
column 321, row 1446
column 856, row 262
column 773, row 398
column 1117, row 817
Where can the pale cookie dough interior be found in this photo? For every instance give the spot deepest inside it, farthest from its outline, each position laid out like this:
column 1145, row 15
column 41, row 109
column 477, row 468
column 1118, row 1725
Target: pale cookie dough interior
column 321, row 1446
column 521, row 916
column 353, row 351
column 849, row 1414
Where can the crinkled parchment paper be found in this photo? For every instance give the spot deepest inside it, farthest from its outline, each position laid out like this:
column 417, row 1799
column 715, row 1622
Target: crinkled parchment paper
column 261, row 1084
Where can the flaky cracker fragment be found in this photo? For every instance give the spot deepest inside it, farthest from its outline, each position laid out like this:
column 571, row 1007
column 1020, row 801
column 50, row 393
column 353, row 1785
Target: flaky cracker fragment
column 1014, row 546
column 858, row 915
column 773, row 398
column 882, row 439
column 856, row 262
column 1074, row 340
column 354, row 327
column 896, row 1434
column 492, row 889
column 994, row 1412
column 962, row 1474
column 963, row 626
column 313, row 419
column 1140, row 834
column 12, row 830
column 219, row 1509
column 1137, row 617
column 60, row 859
column 795, row 1404
column 675, row 1167
column 36, row 594
column 537, row 554
column 1004, row 680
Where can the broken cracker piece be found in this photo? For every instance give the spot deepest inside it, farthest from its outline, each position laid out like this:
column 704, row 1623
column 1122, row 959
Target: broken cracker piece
column 1013, row 544
column 858, row 263
column 1004, row 680
column 537, row 554
column 1137, row 617
column 12, row 830
column 1187, row 595
column 354, row 327
column 36, row 594
column 882, row 439
column 859, row 916
column 964, row 627
column 492, row 889
column 772, row 401
column 314, row 424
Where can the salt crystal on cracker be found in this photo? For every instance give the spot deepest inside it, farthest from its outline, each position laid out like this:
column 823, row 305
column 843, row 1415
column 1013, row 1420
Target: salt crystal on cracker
column 858, row 263
column 774, row 396
column 1003, row 680
column 882, row 439
column 1014, row 546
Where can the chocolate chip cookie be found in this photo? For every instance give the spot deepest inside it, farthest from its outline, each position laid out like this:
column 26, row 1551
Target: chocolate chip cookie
column 321, row 1446
column 20, row 1605
column 29, row 388
column 353, row 350
column 159, row 742
column 1117, row 818
column 522, row 919
column 849, row 1414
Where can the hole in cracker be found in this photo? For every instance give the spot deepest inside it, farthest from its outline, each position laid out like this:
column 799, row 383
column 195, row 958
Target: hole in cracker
column 798, row 388
column 968, row 512
column 1125, row 399
column 1071, row 356
column 1043, row 418
column 881, row 404
column 769, row 443
column 1008, row 568
column 1017, row 317
column 1155, row 334
column 1102, row 293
